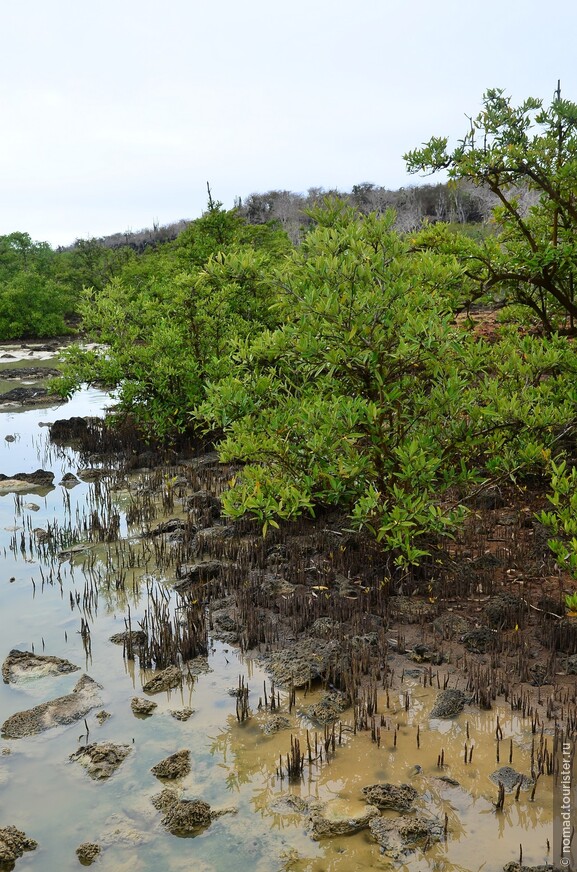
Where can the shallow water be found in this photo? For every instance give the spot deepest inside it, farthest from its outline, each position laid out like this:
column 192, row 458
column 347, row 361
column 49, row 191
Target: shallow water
column 233, row 765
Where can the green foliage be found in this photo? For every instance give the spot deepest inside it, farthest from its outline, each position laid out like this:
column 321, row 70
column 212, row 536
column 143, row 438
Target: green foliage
column 32, row 300
column 521, row 152
column 170, row 318
column 561, row 521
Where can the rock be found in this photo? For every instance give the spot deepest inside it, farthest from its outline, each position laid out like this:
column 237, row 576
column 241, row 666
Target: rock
column 204, row 508
column 175, row 766
column 341, row 818
column 513, row 866
column 69, row 480
column 174, row 525
column 449, row 703
column 449, row 626
column 390, row 796
column 69, row 429
column 301, row 662
column 479, row 641
column 132, row 640
column 101, row 759
column 10, row 438
column 274, row 724
column 505, row 611
column 182, row 817
column 94, row 474
column 410, row 609
column 193, row 573
column 402, row 835
column 142, row 707
column 13, row 843
column 25, row 396
column 571, row 665
column 25, row 481
column 32, row 507
column 182, row 714
column 22, row 665
column 487, row 499
column 88, row 852
column 424, row 654
column 328, row 709
column 164, row 680
column 29, row 372
column 61, row 711
column 509, row 778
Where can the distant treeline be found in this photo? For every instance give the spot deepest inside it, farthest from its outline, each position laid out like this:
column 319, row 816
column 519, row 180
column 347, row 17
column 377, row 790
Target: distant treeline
column 459, row 203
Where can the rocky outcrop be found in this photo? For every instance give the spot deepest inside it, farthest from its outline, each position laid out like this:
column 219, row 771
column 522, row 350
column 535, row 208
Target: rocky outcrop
column 26, row 481
column 101, row 759
column 23, row 665
column 390, row 796
column 175, row 766
column 449, row 703
column 182, row 817
column 13, row 843
column 402, row 835
column 88, row 852
column 165, row 680
column 61, row 711
column 142, row 707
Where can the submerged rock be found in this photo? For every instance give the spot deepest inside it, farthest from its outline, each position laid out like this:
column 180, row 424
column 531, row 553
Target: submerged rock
column 390, row 796
column 88, row 852
column 165, row 680
column 509, row 778
column 182, row 714
column 340, row 818
column 449, row 703
column 101, row 759
column 13, row 843
column 175, row 766
column 143, row 707
column 61, row 711
column 328, row 709
column 22, row 665
column 402, row 835
column 182, row 817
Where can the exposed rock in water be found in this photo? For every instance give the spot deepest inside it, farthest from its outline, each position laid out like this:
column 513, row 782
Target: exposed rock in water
column 194, row 573
column 182, row 817
column 61, row 711
column 101, row 759
column 88, row 852
column 13, row 843
column 274, row 724
column 510, row 778
column 517, row 867
column 402, row 835
column 390, row 796
column 164, row 680
column 173, row 525
column 302, row 662
column 449, row 703
column 328, row 709
column 66, row 430
column 340, row 818
column 29, row 372
column 22, row 665
column 69, row 480
column 182, row 714
column 143, row 707
column 175, row 766
column 28, row 396
column 25, row 481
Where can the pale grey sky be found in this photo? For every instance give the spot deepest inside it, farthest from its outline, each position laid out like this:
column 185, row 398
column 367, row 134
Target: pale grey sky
column 115, row 114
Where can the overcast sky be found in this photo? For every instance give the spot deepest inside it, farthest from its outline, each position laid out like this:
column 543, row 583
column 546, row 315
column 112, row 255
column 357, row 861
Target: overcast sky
column 116, row 113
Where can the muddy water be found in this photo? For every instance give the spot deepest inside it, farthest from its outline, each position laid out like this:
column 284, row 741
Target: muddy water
column 233, row 765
